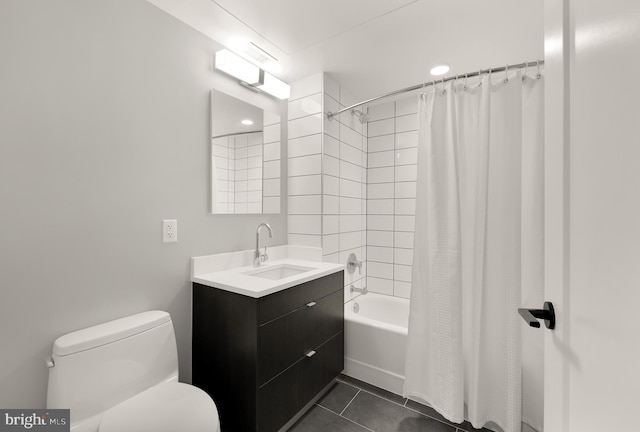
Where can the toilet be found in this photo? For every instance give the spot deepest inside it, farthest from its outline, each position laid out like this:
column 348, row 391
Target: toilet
column 122, row 376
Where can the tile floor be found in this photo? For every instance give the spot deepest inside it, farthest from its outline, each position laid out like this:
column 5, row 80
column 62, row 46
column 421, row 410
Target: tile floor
column 355, row 406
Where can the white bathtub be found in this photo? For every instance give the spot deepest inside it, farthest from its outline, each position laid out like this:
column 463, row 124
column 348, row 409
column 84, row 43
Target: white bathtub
column 376, row 340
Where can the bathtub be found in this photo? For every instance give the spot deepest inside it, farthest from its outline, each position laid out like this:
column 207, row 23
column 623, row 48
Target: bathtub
column 376, row 340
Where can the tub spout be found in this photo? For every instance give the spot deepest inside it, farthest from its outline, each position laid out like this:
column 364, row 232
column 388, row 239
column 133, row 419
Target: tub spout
column 360, row 290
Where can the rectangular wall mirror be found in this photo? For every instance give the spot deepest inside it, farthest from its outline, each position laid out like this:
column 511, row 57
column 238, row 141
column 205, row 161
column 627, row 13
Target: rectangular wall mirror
column 245, row 157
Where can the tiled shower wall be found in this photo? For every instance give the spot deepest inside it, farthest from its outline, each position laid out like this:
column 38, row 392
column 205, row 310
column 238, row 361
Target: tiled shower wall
column 391, row 195
column 327, row 173
column 352, row 187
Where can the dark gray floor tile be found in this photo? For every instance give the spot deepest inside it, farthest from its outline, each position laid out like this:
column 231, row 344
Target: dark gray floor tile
column 427, row 410
column 338, row 397
column 381, row 415
column 318, row 419
column 372, row 389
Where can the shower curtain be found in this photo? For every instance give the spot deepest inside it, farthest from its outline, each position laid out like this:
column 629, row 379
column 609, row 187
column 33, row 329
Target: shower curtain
column 478, row 252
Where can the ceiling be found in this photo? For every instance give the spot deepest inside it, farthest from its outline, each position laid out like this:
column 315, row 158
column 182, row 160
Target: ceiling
column 372, row 47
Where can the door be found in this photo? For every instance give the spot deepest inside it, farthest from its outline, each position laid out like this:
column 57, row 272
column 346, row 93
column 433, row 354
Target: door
column 592, row 214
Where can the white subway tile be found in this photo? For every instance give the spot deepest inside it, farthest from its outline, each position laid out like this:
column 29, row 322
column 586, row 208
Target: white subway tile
column 381, row 143
column 405, row 190
column 380, row 286
column 380, row 222
column 380, row 270
column 271, row 205
column 407, row 123
column 331, row 224
column 349, row 188
column 330, row 244
column 406, row 156
column 305, row 126
column 351, row 172
column 402, row 289
column 271, row 187
column 380, row 206
column 272, row 151
column 405, row 206
column 271, row 169
column 331, row 146
column 304, row 146
column 271, row 133
column 241, row 153
column 304, row 185
column 331, row 258
column 240, row 207
column 241, row 186
column 350, row 120
column 255, row 185
column 380, row 175
column 382, row 111
column 305, row 240
column 380, row 127
column 350, row 240
column 350, row 205
column 380, row 238
column 351, row 154
column 402, row 272
column 255, row 197
column 405, row 223
column 406, row 139
column 256, row 150
column 306, row 86
column 403, row 240
column 349, row 223
column 406, row 173
column 254, row 162
column 331, row 185
column 380, row 159
column 305, row 106
column 331, row 166
column 305, row 224
column 380, row 190
column 270, row 118
column 331, row 205
column 305, row 165
column 403, row 256
column 305, row 204
column 379, row 254
column 350, row 137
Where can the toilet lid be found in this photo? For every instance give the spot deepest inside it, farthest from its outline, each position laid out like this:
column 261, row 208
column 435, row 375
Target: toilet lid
column 167, row 407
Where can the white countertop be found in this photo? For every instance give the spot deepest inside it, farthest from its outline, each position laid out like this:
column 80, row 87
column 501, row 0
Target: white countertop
column 228, row 271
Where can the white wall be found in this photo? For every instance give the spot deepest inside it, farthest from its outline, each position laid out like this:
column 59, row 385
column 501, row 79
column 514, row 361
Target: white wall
column 104, row 110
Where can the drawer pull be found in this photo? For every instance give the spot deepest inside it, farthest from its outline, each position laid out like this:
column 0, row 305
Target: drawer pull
column 311, row 304
column 310, row 353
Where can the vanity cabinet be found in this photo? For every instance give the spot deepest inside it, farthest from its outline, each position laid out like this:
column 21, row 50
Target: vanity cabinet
column 263, row 359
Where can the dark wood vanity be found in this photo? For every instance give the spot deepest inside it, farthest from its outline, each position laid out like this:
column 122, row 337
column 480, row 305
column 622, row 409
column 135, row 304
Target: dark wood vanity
column 264, row 359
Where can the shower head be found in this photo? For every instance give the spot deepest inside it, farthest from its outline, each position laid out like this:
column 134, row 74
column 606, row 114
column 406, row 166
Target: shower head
column 362, row 117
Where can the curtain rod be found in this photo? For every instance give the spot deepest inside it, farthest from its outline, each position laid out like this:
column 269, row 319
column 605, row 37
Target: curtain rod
column 330, row 115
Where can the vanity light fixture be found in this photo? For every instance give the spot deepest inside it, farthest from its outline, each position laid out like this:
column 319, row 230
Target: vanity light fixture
column 439, row 70
column 250, row 75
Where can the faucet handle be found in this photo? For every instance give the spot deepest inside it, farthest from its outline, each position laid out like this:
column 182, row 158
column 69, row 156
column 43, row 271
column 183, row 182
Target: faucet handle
column 352, row 263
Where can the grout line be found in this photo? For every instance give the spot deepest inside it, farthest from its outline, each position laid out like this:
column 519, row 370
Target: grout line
column 346, row 418
column 347, row 406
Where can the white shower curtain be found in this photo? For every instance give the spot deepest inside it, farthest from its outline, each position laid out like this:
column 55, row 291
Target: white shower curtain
column 478, row 253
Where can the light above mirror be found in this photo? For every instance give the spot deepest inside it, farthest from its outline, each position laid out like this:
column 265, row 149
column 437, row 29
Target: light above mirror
column 250, row 74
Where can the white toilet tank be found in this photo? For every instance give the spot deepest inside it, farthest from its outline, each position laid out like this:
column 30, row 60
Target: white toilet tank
column 98, row 367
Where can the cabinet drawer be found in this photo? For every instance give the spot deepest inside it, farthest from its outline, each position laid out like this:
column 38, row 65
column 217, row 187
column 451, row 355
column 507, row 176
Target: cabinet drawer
column 285, row 340
column 277, row 304
column 284, row 396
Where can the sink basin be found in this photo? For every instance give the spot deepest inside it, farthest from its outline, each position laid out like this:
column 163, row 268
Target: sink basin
column 279, row 271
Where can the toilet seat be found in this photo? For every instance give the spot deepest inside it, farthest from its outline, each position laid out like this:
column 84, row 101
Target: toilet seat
column 166, row 407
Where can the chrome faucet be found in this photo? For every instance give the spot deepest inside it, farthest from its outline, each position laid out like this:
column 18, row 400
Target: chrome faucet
column 259, row 258
column 362, row 291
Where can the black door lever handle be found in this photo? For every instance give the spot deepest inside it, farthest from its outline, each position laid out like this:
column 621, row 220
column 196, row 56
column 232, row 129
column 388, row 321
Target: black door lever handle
column 531, row 316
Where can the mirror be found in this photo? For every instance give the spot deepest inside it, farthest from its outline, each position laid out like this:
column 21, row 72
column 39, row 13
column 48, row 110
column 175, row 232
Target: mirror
column 245, row 157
